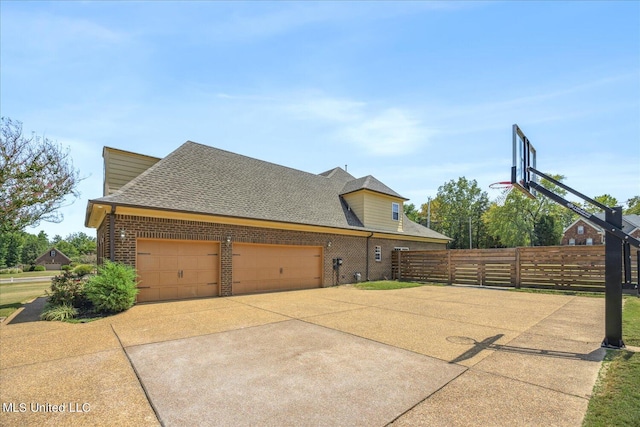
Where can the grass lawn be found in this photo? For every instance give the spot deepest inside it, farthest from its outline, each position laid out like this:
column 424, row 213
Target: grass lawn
column 616, row 395
column 13, row 295
column 49, row 273
column 383, row 285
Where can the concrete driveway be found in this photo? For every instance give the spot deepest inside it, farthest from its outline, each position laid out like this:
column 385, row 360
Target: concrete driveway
column 331, row 357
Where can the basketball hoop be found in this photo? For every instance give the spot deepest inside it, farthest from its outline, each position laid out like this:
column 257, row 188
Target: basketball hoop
column 505, row 188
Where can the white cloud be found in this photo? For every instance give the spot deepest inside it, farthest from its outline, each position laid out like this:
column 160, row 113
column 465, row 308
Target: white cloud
column 391, row 131
column 387, row 133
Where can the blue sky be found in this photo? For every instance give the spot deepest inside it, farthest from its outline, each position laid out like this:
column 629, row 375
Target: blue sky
column 414, row 93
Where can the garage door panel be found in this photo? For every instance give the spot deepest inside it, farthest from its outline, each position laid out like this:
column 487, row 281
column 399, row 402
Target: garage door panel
column 148, row 294
column 207, row 277
column 168, row 293
column 187, row 291
column 207, row 290
column 168, row 263
column 148, row 277
column 175, row 269
column 205, row 262
column 262, row 268
column 147, row 262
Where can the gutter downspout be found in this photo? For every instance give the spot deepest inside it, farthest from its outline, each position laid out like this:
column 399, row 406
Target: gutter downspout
column 112, row 233
column 367, row 257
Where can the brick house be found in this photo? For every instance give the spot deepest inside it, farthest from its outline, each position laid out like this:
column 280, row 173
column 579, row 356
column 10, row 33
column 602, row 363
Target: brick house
column 207, row 222
column 53, row 259
column 582, row 232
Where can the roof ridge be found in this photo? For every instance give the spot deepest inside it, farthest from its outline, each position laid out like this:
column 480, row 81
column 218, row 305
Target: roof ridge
column 255, row 159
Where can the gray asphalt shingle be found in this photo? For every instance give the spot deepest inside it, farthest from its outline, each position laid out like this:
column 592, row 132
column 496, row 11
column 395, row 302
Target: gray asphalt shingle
column 201, row 179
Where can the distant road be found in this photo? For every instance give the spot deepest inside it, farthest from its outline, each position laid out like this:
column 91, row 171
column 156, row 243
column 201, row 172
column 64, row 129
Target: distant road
column 5, row 280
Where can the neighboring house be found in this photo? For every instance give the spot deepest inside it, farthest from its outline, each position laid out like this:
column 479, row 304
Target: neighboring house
column 53, row 259
column 207, row 222
column 582, row 232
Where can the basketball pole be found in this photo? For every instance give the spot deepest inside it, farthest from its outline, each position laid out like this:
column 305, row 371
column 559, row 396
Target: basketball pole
column 615, row 238
column 613, row 281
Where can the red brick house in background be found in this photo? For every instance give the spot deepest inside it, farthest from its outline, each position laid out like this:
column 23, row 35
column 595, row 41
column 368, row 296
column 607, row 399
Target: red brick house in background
column 207, row 222
column 582, row 232
column 53, row 259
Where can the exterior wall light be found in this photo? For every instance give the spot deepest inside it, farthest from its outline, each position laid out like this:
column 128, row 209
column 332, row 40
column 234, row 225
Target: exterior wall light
column 329, row 244
column 228, row 240
column 122, row 234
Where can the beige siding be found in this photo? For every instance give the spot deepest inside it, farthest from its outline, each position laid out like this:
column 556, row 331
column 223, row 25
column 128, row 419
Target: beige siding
column 377, row 212
column 356, row 203
column 121, row 166
column 374, row 209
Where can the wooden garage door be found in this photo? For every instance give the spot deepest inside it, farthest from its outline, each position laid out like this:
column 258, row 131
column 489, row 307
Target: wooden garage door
column 263, row 268
column 176, row 269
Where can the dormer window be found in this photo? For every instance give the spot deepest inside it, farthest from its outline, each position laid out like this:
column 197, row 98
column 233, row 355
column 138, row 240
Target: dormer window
column 395, row 211
column 53, row 254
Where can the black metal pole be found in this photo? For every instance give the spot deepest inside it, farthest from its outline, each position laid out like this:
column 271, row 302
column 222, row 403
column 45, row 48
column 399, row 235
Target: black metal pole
column 613, row 281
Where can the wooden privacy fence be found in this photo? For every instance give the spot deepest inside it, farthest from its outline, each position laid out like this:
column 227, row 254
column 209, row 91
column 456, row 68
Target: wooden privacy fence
column 578, row 268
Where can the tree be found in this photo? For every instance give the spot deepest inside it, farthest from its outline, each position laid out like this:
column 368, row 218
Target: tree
column 67, row 248
column 514, row 223
column 411, row 212
column 633, row 206
column 460, row 207
column 605, row 199
column 545, row 232
column 430, row 212
column 33, row 247
column 506, row 224
column 83, row 243
column 36, row 175
column 14, row 249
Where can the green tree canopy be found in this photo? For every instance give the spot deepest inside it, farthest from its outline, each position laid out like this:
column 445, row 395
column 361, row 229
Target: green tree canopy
column 412, row 213
column 605, row 199
column 633, row 206
column 33, row 247
column 460, row 206
column 514, row 223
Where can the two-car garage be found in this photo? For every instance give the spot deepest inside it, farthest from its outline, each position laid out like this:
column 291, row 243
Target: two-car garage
column 179, row 269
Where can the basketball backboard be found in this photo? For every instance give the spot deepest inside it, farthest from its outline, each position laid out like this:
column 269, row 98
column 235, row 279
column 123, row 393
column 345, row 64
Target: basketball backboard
column 524, row 157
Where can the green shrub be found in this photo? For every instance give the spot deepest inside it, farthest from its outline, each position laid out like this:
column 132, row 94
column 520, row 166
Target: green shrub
column 65, row 268
column 83, row 269
column 67, row 288
column 113, row 289
column 58, row 312
column 11, row 271
column 38, row 268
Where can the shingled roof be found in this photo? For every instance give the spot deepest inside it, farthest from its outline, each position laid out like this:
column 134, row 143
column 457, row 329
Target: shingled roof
column 369, row 183
column 196, row 178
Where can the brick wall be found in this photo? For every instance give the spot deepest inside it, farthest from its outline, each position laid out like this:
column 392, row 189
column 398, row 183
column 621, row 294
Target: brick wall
column 351, row 249
column 581, row 239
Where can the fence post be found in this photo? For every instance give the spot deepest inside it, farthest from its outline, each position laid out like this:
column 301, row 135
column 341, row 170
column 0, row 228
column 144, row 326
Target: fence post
column 517, row 284
column 449, row 275
column 399, row 265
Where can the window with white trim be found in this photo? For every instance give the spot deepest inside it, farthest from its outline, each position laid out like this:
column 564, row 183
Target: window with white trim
column 572, row 242
column 395, row 211
column 581, row 229
column 589, row 241
column 378, row 253
column 52, row 254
